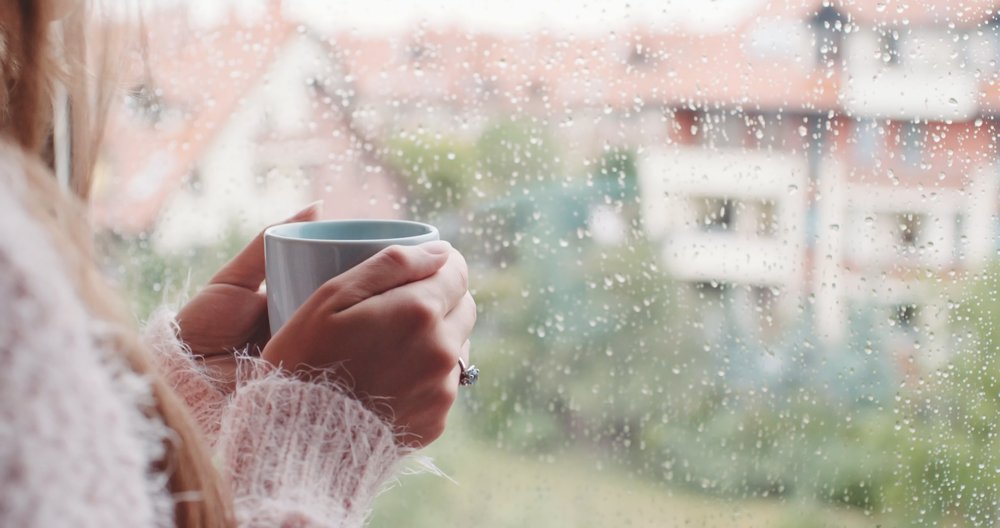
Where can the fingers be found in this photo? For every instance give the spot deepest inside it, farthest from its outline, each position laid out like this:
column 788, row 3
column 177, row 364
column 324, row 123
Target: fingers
column 246, row 270
column 439, row 293
column 390, row 269
column 460, row 321
column 466, row 352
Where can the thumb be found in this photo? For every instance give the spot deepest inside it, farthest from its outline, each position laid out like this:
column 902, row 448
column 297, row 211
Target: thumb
column 246, row 269
column 392, row 267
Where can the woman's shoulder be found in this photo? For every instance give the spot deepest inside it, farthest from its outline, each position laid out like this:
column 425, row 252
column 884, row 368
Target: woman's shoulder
column 74, row 435
column 42, row 308
column 29, row 259
column 42, row 305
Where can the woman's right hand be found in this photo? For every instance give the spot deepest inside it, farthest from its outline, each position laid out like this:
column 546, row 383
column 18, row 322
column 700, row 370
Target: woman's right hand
column 392, row 329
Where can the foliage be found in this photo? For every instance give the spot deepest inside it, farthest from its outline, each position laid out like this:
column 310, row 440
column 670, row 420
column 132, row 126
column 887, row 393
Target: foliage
column 154, row 277
column 945, row 436
column 438, row 172
column 516, row 153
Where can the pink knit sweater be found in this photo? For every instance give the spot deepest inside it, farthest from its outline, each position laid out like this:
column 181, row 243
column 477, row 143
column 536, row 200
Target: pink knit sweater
column 76, row 449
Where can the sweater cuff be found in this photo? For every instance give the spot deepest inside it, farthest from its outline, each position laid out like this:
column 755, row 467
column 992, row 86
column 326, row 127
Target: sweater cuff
column 303, row 453
column 189, row 379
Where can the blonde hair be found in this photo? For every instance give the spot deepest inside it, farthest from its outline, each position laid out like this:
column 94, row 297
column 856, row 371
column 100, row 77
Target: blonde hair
column 32, row 61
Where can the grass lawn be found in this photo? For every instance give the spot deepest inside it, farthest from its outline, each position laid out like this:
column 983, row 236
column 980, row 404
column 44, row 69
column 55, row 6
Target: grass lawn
column 495, row 488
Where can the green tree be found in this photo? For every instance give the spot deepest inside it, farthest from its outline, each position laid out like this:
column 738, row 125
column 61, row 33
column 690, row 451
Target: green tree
column 440, row 173
column 945, row 437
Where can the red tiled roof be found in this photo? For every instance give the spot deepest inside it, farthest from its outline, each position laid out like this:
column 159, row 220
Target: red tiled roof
column 964, row 13
column 593, row 71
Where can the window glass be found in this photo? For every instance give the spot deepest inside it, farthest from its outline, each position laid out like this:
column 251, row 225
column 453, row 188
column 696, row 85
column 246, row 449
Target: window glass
column 735, row 261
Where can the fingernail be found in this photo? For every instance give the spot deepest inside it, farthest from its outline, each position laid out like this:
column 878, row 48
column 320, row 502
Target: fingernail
column 438, row 247
column 315, row 206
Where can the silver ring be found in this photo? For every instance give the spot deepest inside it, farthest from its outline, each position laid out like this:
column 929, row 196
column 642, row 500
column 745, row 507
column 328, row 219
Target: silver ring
column 467, row 375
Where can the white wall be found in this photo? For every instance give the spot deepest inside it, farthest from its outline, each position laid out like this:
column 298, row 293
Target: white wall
column 674, row 180
column 870, row 213
column 859, row 258
column 928, row 83
column 231, row 193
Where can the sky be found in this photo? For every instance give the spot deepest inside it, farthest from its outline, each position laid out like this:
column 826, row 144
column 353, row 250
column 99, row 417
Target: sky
column 386, row 16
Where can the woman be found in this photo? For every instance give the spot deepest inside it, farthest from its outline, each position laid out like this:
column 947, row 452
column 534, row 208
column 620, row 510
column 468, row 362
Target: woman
column 101, row 428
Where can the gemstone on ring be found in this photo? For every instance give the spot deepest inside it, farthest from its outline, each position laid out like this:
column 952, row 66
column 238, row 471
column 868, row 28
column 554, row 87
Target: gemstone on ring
column 467, row 375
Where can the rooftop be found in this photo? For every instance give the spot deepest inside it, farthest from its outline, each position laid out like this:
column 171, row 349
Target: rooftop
column 191, row 78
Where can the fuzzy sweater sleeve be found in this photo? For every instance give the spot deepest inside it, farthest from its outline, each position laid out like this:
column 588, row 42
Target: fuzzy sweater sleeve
column 205, row 396
column 298, row 453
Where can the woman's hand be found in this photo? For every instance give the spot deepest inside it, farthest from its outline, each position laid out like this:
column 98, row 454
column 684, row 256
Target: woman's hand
column 230, row 313
column 393, row 329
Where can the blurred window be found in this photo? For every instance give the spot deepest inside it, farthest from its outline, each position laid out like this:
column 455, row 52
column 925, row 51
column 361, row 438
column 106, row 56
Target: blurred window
column 735, row 261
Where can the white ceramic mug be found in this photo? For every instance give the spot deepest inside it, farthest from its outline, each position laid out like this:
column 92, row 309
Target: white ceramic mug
column 300, row 257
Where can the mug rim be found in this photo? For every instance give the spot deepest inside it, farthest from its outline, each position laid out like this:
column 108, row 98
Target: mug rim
column 276, row 232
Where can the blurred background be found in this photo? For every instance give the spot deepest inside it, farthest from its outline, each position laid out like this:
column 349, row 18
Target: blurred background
column 735, row 260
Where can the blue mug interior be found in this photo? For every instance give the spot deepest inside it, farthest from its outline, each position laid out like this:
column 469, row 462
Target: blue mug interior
column 351, row 230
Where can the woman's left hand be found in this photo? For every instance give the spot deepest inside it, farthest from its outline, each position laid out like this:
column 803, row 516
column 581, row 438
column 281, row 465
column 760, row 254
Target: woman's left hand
column 230, row 313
